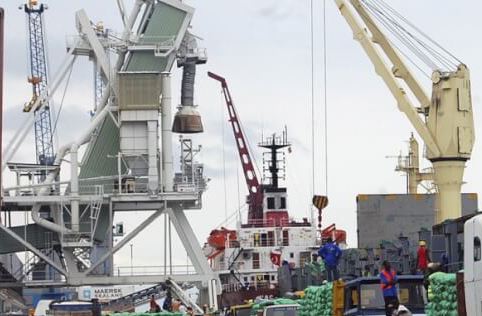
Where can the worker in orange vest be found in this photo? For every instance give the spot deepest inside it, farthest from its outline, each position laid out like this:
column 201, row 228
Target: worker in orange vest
column 388, row 284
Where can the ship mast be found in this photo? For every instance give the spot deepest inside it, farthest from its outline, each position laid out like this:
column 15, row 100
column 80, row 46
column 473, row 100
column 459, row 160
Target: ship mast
column 274, row 144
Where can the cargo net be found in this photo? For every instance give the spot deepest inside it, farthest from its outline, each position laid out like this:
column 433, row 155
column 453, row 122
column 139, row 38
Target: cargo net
column 442, row 294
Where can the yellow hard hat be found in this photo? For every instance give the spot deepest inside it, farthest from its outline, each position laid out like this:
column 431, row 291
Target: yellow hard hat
column 422, row 243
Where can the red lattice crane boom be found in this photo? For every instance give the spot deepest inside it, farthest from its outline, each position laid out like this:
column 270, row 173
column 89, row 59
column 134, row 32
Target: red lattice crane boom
column 255, row 197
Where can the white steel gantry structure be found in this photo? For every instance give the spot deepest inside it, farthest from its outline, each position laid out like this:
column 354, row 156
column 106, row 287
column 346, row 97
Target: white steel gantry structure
column 128, row 163
column 444, row 121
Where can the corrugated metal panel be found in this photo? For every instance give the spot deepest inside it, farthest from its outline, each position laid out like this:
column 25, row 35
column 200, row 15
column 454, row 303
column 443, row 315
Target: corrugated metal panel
column 36, row 235
column 42, row 238
column 99, row 160
column 138, row 91
column 165, row 21
column 146, row 61
column 385, row 217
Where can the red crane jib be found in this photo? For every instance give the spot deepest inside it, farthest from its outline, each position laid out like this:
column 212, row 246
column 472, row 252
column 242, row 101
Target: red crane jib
column 255, row 199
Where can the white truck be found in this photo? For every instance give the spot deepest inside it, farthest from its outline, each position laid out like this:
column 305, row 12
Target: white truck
column 473, row 266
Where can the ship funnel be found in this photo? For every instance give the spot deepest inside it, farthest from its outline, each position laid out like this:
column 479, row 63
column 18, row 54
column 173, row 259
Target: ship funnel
column 187, row 120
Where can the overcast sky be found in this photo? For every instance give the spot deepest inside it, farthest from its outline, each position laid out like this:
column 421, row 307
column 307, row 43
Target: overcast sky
column 263, row 48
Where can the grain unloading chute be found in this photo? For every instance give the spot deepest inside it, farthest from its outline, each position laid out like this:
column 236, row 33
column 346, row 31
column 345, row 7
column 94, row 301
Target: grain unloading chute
column 125, row 167
column 187, row 119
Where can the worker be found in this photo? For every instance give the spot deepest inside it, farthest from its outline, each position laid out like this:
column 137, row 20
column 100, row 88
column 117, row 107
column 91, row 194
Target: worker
column 153, row 306
column 423, row 257
column 167, row 305
column 190, row 311
column 431, row 269
column 444, row 262
column 388, row 284
column 330, row 253
column 183, row 309
column 176, row 305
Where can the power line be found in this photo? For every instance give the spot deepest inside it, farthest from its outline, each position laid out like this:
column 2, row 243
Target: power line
column 325, row 85
column 224, row 163
column 61, row 103
column 312, row 101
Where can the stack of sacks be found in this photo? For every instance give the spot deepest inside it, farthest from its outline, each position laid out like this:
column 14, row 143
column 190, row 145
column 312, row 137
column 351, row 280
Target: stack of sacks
column 442, row 294
column 163, row 313
column 318, row 301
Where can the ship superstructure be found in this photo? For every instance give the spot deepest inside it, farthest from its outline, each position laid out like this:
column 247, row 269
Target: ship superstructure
column 249, row 257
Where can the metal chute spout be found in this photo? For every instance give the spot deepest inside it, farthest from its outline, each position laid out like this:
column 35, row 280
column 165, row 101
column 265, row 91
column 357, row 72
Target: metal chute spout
column 187, row 119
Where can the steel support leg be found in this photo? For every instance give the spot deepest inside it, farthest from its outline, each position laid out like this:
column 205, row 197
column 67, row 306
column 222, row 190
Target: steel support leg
column 125, row 240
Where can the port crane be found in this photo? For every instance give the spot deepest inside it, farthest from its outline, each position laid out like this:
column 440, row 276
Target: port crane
column 444, row 121
column 255, row 197
column 39, row 79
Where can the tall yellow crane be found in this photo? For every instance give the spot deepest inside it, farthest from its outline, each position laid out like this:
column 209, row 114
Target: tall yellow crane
column 444, row 121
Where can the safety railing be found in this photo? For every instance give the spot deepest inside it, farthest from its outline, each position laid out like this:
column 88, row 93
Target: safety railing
column 162, row 41
column 261, row 242
column 283, row 222
column 224, row 266
column 154, row 270
column 250, row 285
column 100, row 186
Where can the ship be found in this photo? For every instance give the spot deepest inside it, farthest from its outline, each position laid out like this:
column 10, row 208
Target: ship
column 247, row 258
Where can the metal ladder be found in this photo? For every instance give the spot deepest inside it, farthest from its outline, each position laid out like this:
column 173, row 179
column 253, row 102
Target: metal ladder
column 96, row 207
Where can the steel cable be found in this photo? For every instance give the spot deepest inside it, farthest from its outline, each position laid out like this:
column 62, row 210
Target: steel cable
column 419, row 31
column 425, row 52
column 437, row 55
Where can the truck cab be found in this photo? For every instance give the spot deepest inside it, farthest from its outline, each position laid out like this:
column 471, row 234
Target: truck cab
column 240, row 310
column 363, row 296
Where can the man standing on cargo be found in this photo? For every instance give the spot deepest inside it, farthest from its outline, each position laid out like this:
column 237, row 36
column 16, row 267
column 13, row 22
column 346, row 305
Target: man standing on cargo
column 423, row 257
column 330, row 253
column 388, row 284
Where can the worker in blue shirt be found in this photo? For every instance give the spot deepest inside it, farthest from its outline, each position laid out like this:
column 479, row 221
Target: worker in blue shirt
column 330, row 253
column 388, row 284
